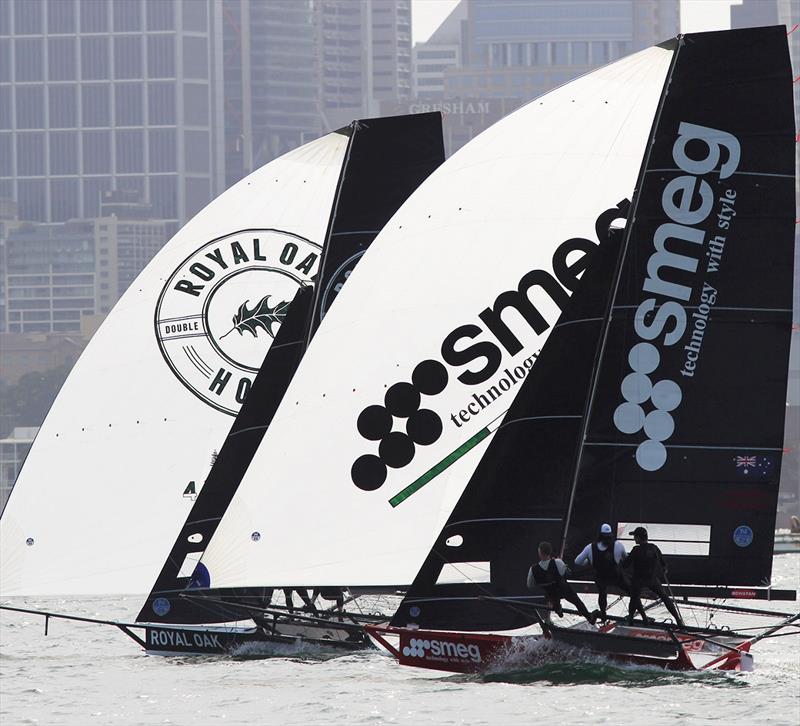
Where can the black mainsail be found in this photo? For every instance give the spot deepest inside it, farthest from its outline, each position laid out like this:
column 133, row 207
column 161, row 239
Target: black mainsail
column 659, row 397
column 386, row 160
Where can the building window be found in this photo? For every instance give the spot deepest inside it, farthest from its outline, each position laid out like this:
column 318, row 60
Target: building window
column 63, row 152
column 129, row 104
column 94, row 58
column 130, row 151
column 599, row 52
column 30, row 156
column 194, row 16
column 94, row 16
column 540, row 54
column 30, row 107
column 5, row 58
column 195, row 104
column 560, row 53
column 195, row 57
column 63, row 106
column 96, row 152
column 160, row 15
column 163, row 150
column 28, row 54
column 5, row 107
column 128, row 56
column 197, row 147
column 31, row 199
column 161, row 103
column 161, row 56
column 96, row 104
column 127, row 15
column 164, row 196
column 580, row 54
column 5, row 155
column 27, row 17
column 61, row 59
column 63, row 199
column 61, row 17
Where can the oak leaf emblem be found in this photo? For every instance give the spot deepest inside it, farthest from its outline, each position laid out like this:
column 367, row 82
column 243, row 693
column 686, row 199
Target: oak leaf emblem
column 262, row 316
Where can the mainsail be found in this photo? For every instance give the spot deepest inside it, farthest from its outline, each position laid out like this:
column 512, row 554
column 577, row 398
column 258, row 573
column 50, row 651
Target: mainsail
column 131, row 435
column 659, row 399
column 429, row 341
column 385, row 161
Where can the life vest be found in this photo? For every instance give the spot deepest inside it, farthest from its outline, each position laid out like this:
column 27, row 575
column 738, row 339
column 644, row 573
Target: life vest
column 646, row 562
column 605, row 567
column 548, row 579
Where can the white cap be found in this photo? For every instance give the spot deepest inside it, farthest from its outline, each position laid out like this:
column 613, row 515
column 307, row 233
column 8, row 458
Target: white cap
column 605, row 529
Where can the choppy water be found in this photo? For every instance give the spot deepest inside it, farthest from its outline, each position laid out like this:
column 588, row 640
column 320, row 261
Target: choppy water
column 88, row 674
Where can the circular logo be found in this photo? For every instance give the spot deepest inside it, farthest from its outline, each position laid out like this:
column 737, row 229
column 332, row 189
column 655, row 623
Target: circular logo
column 337, row 281
column 161, row 606
column 743, row 536
column 221, row 309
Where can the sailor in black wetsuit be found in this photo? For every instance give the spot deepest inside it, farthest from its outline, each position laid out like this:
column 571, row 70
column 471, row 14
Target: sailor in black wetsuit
column 605, row 555
column 647, row 569
column 550, row 573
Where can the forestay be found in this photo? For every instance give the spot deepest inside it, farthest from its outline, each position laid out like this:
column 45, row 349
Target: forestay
column 428, row 343
column 130, row 437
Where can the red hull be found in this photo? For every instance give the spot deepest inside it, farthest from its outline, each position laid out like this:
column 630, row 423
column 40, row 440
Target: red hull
column 474, row 653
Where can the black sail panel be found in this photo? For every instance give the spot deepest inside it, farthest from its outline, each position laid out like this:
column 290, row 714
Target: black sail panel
column 386, row 160
column 518, row 493
column 233, row 459
column 686, row 429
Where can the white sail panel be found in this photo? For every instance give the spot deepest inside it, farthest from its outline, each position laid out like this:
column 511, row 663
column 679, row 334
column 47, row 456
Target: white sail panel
column 109, row 479
column 415, row 364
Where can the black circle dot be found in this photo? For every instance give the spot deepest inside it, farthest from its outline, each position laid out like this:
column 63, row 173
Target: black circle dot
column 374, row 423
column 402, row 399
column 424, row 427
column 368, row 472
column 430, row 377
column 396, row 450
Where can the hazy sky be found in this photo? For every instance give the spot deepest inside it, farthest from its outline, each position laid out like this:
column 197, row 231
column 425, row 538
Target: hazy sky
column 696, row 15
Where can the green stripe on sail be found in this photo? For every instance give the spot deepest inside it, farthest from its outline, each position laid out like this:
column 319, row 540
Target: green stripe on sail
column 434, row 471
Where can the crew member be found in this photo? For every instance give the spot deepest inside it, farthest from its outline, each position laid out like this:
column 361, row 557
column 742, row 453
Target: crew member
column 647, row 570
column 550, row 573
column 605, row 556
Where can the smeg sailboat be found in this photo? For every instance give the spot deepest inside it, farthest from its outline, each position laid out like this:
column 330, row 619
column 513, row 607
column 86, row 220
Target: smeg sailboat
column 669, row 366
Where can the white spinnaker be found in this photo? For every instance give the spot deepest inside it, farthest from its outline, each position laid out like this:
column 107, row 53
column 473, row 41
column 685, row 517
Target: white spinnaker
column 100, row 497
column 496, row 210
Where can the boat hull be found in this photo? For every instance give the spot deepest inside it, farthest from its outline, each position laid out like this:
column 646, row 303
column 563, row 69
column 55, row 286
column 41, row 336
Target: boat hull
column 475, row 653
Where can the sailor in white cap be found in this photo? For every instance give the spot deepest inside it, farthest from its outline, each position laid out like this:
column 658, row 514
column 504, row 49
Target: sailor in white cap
column 605, row 555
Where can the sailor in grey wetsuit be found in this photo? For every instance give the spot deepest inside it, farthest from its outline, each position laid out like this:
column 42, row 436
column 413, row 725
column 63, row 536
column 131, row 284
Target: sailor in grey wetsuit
column 550, row 574
column 648, row 568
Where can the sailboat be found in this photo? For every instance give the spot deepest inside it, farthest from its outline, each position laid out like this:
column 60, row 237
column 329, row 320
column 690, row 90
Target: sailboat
column 385, row 161
column 427, row 345
column 381, row 161
column 668, row 369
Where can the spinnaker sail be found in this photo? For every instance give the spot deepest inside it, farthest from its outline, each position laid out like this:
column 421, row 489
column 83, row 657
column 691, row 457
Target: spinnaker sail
column 385, row 161
column 130, row 437
column 431, row 338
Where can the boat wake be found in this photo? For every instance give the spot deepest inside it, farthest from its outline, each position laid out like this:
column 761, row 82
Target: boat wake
column 301, row 650
column 558, row 664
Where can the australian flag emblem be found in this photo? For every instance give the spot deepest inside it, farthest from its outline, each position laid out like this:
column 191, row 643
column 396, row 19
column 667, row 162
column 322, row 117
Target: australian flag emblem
column 756, row 467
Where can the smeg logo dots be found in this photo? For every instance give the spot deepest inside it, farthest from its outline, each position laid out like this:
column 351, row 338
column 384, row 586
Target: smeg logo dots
column 416, row 648
column 422, row 426
column 630, row 417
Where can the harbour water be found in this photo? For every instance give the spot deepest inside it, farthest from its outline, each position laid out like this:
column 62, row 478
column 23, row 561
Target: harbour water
column 90, row 674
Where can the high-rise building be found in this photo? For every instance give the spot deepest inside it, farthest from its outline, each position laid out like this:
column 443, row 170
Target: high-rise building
column 55, row 276
column 98, row 95
column 440, row 52
column 510, row 51
column 523, row 48
column 270, row 66
column 365, row 51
